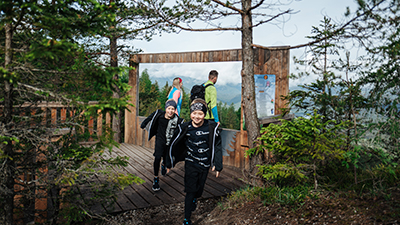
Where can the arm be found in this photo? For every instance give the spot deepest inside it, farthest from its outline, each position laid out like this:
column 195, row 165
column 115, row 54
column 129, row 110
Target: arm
column 218, row 153
column 213, row 103
column 176, row 96
column 147, row 120
column 215, row 114
column 170, row 161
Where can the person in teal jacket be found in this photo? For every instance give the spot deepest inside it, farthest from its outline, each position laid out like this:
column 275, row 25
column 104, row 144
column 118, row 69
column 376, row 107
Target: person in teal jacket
column 176, row 94
column 211, row 96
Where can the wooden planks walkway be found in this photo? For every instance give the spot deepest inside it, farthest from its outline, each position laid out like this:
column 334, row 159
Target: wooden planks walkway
column 141, row 195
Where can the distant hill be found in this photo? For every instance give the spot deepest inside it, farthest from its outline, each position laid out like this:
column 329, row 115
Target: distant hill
column 230, row 93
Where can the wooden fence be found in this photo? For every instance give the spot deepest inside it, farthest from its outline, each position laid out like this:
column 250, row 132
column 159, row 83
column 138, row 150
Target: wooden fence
column 50, row 114
column 234, row 144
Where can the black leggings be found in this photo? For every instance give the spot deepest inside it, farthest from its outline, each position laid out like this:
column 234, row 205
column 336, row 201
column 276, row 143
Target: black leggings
column 156, row 165
column 189, row 204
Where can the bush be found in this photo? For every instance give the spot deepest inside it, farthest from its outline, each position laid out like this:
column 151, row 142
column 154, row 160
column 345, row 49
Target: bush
column 269, row 195
column 302, row 147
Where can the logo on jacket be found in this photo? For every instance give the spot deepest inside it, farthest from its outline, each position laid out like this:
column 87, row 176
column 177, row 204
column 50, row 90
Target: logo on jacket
column 199, row 132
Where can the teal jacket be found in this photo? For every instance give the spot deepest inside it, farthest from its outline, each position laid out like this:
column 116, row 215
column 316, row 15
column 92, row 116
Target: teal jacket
column 211, row 100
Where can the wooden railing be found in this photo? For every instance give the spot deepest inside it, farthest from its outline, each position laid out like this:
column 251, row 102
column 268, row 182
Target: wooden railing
column 51, row 115
column 54, row 113
column 234, row 143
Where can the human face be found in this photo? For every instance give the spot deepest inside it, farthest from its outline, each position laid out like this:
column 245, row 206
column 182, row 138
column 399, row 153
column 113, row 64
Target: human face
column 181, row 84
column 197, row 118
column 214, row 80
column 169, row 112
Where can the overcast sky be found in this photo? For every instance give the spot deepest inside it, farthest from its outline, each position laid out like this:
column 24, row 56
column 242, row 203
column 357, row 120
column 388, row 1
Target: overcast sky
column 293, row 32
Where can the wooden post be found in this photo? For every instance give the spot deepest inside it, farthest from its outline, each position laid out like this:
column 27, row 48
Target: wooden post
column 130, row 117
column 99, row 123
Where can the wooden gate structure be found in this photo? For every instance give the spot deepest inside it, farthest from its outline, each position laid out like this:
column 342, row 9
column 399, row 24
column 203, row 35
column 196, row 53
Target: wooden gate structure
column 267, row 60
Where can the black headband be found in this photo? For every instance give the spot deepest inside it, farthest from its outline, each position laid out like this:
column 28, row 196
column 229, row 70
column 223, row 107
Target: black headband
column 170, row 103
column 198, row 106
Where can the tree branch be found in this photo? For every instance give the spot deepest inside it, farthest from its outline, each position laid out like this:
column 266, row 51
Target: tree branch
column 229, row 6
column 339, row 29
column 257, row 5
column 272, row 18
column 192, row 29
column 35, row 89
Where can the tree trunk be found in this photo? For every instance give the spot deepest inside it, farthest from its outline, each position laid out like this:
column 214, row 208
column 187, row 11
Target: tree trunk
column 116, row 121
column 249, row 101
column 8, row 193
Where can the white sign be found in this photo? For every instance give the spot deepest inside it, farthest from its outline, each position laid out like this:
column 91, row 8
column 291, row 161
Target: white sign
column 265, row 94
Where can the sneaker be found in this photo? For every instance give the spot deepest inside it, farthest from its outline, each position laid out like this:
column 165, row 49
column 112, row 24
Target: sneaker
column 194, row 206
column 163, row 170
column 156, row 186
column 187, row 222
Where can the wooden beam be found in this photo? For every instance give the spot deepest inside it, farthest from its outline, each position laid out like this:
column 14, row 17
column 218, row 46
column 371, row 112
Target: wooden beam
column 133, row 112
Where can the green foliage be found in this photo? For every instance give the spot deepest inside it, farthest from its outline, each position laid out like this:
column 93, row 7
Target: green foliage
column 185, row 108
column 148, row 95
column 283, row 174
column 384, row 95
column 269, row 195
column 228, row 116
column 164, row 94
column 303, row 144
column 354, row 147
column 49, row 64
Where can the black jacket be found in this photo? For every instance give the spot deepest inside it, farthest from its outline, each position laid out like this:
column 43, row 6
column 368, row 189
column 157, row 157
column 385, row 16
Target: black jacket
column 153, row 119
column 178, row 148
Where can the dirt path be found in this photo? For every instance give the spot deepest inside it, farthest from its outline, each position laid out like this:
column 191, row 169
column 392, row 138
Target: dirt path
column 329, row 209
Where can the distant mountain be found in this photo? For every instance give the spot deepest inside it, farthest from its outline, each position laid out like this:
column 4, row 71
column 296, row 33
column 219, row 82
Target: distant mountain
column 229, row 93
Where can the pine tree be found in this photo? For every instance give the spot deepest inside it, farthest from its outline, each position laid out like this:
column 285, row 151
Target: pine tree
column 43, row 62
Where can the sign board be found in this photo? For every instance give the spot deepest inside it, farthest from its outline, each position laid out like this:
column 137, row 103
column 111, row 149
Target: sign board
column 265, row 94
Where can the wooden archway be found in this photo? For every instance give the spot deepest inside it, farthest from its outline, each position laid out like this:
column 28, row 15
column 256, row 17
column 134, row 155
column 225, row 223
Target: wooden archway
column 268, row 60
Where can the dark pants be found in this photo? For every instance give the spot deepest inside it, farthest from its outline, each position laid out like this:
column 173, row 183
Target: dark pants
column 195, row 179
column 157, row 161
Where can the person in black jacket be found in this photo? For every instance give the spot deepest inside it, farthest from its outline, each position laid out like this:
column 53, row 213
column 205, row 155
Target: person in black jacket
column 198, row 143
column 162, row 125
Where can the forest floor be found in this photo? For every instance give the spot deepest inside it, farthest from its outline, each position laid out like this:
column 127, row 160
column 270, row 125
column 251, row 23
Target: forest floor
column 343, row 208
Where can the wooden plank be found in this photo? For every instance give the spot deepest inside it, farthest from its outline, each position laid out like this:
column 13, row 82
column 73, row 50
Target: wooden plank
column 99, row 123
column 153, row 143
column 53, row 116
column 185, row 57
column 124, row 202
column 144, row 137
column 87, row 194
column 149, row 155
column 63, row 116
column 178, row 178
column 237, row 162
column 108, row 120
column 147, row 163
column 143, row 189
column 217, row 188
column 135, row 195
column 138, row 132
column 162, row 194
column 284, row 78
column 135, row 191
column 91, row 126
column 146, row 141
column 141, row 196
column 132, row 112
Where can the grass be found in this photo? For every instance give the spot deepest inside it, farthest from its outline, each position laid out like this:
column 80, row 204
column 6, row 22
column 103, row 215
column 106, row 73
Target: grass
column 269, row 195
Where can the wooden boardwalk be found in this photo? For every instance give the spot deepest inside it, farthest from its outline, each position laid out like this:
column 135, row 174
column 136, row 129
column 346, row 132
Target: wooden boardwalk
column 137, row 196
